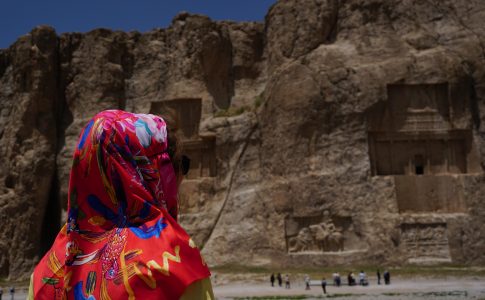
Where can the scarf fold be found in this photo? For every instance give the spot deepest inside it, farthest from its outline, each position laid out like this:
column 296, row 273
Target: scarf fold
column 121, row 239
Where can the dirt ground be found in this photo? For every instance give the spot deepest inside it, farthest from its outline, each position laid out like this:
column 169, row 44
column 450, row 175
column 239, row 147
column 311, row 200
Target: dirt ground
column 449, row 288
column 399, row 289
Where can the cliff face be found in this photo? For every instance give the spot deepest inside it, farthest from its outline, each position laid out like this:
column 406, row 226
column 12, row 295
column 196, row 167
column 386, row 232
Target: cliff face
column 335, row 132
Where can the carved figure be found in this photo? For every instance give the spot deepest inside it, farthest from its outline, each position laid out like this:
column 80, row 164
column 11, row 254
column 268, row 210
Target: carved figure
column 336, row 241
column 324, row 236
column 302, row 242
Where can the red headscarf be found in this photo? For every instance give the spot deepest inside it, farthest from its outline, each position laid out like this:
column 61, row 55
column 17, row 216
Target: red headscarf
column 121, row 240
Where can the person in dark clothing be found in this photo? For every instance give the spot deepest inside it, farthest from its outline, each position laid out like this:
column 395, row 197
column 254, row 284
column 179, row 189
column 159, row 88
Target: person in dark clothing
column 280, row 280
column 337, row 279
column 351, row 279
column 378, row 277
column 324, row 285
column 387, row 277
column 1, row 293
column 272, row 279
column 12, row 292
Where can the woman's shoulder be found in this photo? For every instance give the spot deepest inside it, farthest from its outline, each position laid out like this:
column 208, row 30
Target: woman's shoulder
column 199, row 290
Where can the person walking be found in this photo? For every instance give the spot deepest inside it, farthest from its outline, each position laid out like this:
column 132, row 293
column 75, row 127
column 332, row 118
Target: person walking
column 287, row 281
column 280, row 280
column 378, row 277
column 1, row 293
column 12, row 292
column 324, row 285
column 272, row 279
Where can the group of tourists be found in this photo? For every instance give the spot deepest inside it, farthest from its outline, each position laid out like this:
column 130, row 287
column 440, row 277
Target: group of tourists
column 337, row 280
column 280, row 280
column 352, row 280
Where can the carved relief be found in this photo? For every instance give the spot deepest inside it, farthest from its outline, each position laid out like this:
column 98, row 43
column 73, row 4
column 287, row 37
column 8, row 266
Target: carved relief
column 200, row 149
column 423, row 120
column 426, row 242
column 187, row 111
column 413, row 136
column 412, row 133
column 319, row 237
column 319, row 233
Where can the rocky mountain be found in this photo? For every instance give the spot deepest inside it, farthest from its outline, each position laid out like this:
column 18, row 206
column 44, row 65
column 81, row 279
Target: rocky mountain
column 336, row 132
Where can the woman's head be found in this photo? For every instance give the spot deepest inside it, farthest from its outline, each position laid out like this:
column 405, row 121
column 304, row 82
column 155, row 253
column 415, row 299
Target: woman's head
column 125, row 169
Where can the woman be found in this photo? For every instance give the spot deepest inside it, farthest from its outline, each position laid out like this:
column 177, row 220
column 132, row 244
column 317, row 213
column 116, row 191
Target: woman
column 122, row 239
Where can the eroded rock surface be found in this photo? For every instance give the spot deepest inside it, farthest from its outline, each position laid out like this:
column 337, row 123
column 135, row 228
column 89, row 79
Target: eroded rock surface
column 337, row 132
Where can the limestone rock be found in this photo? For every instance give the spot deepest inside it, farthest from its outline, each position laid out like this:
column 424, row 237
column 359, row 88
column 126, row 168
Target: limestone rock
column 28, row 134
column 294, row 28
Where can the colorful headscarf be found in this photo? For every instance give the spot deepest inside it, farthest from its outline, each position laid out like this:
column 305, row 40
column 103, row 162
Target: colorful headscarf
column 121, row 240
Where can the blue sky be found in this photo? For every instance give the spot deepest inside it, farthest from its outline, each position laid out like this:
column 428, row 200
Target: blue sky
column 18, row 17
